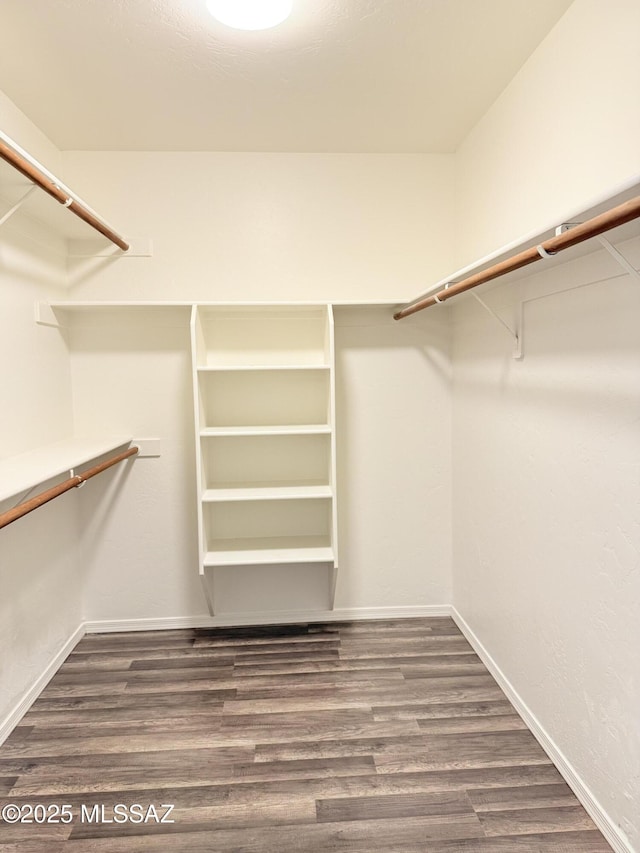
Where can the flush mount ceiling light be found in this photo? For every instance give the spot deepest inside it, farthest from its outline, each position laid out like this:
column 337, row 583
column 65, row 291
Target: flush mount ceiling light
column 250, row 14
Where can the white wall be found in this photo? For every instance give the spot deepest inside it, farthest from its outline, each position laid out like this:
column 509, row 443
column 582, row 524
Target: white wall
column 132, row 375
column 565, row 131
column 268, row 227
column 546, row 506
column 394, row 410
column 40, row 581
column 546, row 452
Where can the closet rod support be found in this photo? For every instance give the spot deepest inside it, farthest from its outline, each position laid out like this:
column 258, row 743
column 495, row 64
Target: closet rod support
column 515, row 336
column 620, row 258
column 16, row 207
column 74, row 476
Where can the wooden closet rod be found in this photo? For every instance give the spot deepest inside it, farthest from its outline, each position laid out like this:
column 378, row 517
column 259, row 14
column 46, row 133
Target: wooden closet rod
column 46, row 182
column 619, row 215
column 73, row 482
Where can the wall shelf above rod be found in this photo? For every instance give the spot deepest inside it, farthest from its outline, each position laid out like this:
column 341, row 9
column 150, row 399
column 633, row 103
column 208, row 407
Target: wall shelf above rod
column 41, row 177
column 20, row 474
column 74, row 481
column 568, row 233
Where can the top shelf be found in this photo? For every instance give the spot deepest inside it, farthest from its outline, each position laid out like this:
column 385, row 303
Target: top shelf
column 19, row 474
column 276, row 337
column 563, row 232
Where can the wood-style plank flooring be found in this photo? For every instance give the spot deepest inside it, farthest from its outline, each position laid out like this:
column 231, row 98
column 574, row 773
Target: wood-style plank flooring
column 369, row 737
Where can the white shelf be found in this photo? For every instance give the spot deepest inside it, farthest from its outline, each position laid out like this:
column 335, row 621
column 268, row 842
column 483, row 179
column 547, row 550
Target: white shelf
column 270, row 493
column 291, row 549
column 277, row 429
column 21, row 473
column 81, row 304
column 225, row 368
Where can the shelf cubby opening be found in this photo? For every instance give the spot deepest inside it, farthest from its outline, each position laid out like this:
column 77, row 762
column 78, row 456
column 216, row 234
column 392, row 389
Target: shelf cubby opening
column 262, row 462
column 271, row 398
column 262, row 336
column 267, row 532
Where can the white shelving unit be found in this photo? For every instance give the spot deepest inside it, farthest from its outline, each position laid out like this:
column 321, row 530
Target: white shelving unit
column 264, row 395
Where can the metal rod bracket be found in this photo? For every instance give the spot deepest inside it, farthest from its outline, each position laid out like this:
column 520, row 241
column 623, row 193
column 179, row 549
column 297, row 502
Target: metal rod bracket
column 78, row 477
column 620, row 258
column 566, row 226
column 16, row 207
column 516, row 336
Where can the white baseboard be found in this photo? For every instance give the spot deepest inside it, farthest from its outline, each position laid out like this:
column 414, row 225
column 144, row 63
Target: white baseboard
column 17, row 713
column 282, row 617
column 595, row 811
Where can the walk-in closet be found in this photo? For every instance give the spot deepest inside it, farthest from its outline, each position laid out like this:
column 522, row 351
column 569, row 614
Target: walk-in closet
column 319, row 446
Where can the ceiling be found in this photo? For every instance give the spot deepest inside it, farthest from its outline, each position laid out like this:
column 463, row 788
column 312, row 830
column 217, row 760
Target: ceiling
column 339, row 75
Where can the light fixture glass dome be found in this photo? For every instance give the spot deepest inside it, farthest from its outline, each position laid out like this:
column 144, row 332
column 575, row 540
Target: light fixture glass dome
column 250, row 14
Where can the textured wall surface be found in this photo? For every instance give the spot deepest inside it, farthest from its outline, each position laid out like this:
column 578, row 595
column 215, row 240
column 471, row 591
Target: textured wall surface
column 268, row 227
column 394, row 408
column 546, row 506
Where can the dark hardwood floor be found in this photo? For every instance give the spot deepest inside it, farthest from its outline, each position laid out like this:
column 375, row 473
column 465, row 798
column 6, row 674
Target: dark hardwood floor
column 361, row 737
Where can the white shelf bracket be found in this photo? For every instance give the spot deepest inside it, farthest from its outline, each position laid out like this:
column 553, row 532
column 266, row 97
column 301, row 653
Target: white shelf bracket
column 45, row 315
column 16, row 207
column 515, row 336
column 208, row 594
column 620, row 258
column 148, row 447
column 615, row 253
column 566, row 226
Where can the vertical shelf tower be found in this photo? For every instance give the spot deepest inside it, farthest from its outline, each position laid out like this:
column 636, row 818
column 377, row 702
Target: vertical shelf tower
column 264, row 394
